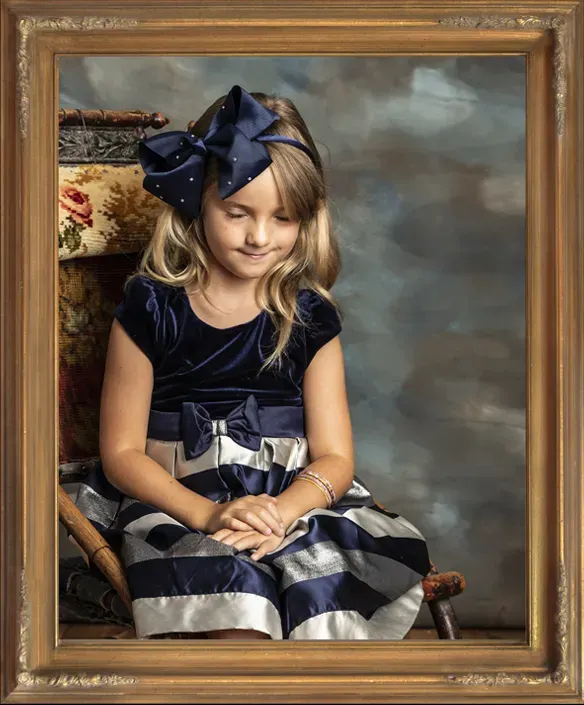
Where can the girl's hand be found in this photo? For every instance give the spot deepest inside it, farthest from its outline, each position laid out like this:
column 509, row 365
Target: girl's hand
column 242, row 540
column 250, row 513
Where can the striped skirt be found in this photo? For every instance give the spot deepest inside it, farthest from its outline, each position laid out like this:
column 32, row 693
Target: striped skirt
column 353, row 571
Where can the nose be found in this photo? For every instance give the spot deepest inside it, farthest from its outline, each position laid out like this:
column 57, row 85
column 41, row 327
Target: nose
column 258, row 234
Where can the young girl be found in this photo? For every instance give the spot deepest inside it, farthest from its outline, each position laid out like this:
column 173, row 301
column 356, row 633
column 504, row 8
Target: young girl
column 226, row 483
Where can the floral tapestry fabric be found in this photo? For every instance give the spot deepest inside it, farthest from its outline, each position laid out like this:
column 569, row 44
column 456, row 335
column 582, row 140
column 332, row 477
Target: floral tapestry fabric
column 103, row 210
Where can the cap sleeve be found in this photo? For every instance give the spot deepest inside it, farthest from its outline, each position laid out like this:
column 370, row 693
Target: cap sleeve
column 323, row 322
column 142, row 314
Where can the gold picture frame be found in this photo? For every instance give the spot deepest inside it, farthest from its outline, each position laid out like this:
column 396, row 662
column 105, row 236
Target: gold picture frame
column 37, row 665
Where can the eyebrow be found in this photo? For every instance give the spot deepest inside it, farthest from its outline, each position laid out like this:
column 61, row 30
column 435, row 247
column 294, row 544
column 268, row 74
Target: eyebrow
column 248, row 208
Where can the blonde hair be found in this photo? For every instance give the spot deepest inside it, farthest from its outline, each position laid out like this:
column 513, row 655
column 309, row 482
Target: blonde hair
column 178, row 254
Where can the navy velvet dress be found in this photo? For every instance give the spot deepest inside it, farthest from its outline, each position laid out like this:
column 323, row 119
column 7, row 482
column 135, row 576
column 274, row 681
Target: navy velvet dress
column 350, row 572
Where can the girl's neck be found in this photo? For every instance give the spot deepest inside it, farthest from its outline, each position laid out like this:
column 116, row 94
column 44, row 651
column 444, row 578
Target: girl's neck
column 227, row 301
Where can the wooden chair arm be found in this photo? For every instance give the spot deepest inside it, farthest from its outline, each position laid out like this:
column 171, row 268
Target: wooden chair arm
column 438, row 586
column 95, row 546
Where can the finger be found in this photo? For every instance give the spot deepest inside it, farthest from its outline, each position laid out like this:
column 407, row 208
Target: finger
column 238, row 525
column 271, row 516
column 269, row 503
column 246, row 542
column 221, row 534
column 238, row 536
column 254, row 521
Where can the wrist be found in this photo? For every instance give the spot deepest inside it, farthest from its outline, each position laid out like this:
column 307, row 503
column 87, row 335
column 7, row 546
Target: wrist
column 288, row 511
column 297, row 499
column 205, row 516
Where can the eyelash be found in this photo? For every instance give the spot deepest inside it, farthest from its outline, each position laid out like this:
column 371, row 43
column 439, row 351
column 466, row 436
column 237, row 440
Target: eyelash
column 235, row 216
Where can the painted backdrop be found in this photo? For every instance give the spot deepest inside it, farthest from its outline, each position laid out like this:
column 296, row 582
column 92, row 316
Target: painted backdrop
column 425, row 159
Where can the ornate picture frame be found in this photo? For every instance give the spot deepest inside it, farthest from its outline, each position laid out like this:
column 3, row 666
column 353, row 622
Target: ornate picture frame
column 37, row 664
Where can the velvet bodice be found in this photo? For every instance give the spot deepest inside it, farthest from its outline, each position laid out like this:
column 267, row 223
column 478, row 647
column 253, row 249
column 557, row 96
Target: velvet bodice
column 218, row 368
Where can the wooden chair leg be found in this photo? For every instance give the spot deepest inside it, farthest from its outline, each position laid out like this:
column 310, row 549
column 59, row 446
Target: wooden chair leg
column 95, row 546
column 444, row 619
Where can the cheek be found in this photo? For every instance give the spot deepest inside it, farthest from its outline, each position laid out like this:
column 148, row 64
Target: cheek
column 219, row 233
column 288, row 238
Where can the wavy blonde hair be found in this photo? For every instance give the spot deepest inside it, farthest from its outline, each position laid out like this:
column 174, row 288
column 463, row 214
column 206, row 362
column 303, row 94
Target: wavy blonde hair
column 178, row 254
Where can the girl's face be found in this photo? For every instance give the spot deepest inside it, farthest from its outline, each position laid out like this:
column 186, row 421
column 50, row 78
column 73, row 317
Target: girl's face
column 249, row 232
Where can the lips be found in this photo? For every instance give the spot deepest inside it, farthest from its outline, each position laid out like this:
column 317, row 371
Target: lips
column 254, row 256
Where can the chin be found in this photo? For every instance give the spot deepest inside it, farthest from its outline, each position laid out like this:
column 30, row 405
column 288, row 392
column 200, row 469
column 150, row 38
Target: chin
column 244, row 273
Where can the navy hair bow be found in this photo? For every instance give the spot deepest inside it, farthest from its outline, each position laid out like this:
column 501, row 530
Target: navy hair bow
column 175, row 161
column 198, row 428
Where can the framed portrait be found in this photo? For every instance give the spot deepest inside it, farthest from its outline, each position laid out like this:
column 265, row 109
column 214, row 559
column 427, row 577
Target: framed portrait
column 452, row 147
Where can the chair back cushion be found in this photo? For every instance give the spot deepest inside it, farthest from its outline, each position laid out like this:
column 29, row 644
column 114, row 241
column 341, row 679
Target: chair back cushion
column 105, row 220
column 103, row 210
column 89, row 290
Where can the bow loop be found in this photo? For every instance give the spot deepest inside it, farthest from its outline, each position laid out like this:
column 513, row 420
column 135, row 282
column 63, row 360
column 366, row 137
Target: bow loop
column 198, row 428
column 174, row 162
column 252, row 118
column 243, row 424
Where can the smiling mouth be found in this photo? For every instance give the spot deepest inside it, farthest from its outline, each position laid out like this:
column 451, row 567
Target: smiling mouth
column 254, row 256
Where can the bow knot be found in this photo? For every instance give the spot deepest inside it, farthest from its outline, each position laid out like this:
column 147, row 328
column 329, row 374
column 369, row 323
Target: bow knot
column 174, row 161
column 198, row 428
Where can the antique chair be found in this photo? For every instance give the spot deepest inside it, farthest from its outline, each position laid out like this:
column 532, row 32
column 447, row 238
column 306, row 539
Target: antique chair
column 105, row 220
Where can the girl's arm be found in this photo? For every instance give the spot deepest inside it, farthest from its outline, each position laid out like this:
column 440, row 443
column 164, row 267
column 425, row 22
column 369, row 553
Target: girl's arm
column 328, row 431
column 125, row 408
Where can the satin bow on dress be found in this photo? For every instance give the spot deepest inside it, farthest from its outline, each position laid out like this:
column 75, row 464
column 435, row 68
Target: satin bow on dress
column 198, row 428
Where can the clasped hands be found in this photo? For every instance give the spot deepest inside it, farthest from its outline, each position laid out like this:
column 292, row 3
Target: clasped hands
column 251, row 522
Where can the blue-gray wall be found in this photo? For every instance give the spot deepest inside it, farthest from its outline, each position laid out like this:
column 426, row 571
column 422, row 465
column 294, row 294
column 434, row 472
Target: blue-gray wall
column 426, row 164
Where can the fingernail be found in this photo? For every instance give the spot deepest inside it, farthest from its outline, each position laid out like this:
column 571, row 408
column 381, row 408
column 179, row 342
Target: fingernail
column 269, row 531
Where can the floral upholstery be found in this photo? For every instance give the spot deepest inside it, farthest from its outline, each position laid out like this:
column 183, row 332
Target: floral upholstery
column 103, row 210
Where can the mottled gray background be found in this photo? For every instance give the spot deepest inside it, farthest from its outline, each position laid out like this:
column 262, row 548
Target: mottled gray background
column 426, row 165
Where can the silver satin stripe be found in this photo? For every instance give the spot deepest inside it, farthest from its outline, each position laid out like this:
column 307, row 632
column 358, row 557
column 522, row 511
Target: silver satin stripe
column 411, row 527
column 356, row 494
column 386, row 575
column 391, row 622
column 129, row 501
column 291, row 453
column 163, row 452
column 189, row 546
column 94, row 506
column 375, row 523
column 136, row 550
column 141, row 527
column 203, row 613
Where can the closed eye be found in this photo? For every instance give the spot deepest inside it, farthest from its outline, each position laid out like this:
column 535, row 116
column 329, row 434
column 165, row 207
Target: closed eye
column 281, row 218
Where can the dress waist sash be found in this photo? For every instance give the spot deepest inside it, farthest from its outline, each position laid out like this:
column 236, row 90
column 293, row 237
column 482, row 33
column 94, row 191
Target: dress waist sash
column 246, row 425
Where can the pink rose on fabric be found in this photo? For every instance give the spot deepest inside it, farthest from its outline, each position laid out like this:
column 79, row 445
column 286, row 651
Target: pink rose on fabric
column 77, row 203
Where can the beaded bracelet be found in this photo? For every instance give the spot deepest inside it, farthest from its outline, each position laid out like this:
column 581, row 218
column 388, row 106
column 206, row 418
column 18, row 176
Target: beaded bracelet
column 325, row 482
column 316, row 484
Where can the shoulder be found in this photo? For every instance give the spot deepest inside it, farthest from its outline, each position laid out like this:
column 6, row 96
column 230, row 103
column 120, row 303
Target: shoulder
column 321, row 318
column 145, row 296
column 143, row 312
column 315, row 309
column 142, row 288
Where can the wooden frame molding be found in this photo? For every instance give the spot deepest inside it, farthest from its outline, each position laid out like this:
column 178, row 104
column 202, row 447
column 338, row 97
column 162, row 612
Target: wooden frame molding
column 37, row 665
